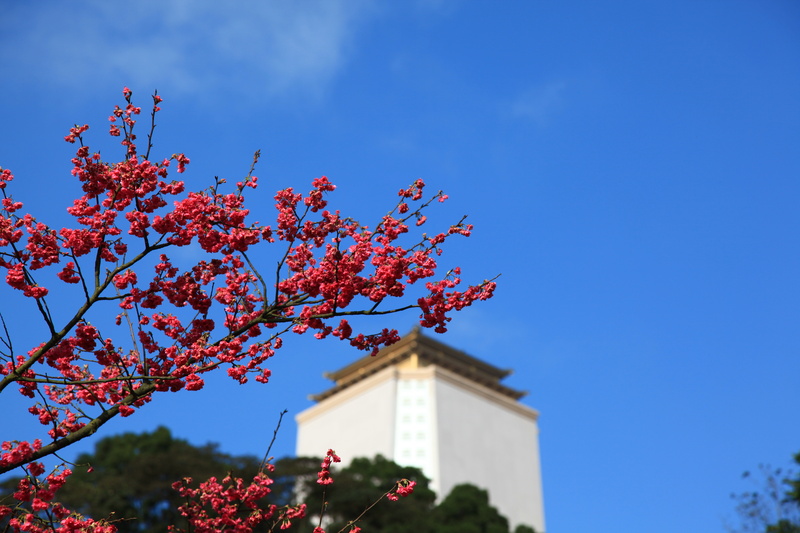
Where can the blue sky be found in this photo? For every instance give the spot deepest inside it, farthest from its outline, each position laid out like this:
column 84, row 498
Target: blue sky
column 631, row 168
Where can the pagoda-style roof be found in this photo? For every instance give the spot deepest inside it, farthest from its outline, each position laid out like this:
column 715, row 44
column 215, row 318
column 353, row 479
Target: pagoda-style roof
column 426, row 352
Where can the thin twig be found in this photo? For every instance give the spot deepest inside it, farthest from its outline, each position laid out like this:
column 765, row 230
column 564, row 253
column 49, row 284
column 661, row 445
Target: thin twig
column 274, row 435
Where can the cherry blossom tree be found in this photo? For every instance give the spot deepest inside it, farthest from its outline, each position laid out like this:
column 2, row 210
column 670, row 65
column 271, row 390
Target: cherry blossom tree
column 174, row 320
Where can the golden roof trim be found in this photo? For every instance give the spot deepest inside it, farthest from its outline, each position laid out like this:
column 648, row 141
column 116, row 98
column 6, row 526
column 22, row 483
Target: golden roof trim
column 427, row 351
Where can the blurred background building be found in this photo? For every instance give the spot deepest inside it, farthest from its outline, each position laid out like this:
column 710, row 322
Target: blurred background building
column 422, row 403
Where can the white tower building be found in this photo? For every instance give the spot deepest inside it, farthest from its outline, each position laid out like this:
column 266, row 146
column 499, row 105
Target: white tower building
column 424, row 404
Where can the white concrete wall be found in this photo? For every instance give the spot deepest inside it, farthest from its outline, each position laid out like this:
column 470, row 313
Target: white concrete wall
column 358, row 422
column 493, row 446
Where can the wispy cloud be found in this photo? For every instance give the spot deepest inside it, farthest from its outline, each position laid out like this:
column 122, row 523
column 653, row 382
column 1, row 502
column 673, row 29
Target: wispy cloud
column 540, row 103
column 248, row 48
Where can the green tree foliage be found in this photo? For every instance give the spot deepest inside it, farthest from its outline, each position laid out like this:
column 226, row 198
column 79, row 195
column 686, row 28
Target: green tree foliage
column 357, row 486
column 290, row 474
column 467, row 510
column 774, row 507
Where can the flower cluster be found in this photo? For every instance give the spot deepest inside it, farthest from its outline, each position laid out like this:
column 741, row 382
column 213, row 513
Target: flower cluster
column 230, row 505
column 37, row 512
column 404, row 487
column 324, row 475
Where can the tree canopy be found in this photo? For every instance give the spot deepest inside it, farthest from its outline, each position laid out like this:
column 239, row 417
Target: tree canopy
column 774, row 505
column 357, row 487
column 467, row 510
